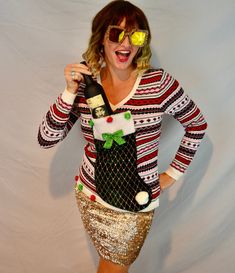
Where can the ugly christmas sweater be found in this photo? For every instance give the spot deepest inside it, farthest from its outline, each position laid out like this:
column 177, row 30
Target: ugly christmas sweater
column 154, row 94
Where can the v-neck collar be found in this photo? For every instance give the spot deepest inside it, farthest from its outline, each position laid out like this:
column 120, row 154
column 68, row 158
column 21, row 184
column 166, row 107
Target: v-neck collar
column 124, row 100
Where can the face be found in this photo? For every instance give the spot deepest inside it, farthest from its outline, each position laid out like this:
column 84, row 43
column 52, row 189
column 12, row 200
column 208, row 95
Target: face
column 119, row 56
column 99, row 112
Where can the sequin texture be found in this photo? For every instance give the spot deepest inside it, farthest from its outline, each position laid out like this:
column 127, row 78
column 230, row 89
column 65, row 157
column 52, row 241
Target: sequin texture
column 117, row 236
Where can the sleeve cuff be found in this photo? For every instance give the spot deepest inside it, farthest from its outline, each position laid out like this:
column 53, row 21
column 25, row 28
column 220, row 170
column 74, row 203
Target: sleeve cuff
column 174, row 173
column 68, row 97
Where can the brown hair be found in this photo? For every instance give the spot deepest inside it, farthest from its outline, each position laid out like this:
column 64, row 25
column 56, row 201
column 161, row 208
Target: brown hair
column 113, row 14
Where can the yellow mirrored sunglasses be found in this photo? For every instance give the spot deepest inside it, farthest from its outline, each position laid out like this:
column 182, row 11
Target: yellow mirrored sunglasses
column 137, row 37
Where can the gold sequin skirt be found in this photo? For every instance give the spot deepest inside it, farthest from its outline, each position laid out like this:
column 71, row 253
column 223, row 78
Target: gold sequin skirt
column 117, row 236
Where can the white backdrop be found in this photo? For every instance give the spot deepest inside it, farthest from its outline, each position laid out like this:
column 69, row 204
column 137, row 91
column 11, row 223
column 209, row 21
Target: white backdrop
column 40, row 227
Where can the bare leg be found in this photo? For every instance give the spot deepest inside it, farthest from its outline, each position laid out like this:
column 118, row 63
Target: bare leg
column 109, row 267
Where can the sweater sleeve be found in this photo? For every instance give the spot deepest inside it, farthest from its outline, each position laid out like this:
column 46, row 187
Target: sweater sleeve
column 59, row 120
column 182, row 108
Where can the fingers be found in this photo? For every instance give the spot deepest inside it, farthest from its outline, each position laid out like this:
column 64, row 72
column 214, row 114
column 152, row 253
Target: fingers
column 73, row 72
column 74, row 75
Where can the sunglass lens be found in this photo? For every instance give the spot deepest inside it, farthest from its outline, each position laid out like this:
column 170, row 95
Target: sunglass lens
column 138, row 38
column 116, row 35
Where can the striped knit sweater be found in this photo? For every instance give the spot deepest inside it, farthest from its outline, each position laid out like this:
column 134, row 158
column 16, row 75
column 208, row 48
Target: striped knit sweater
column 154, row 94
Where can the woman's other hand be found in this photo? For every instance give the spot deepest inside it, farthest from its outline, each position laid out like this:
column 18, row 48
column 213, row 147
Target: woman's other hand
column 73, row 76
column 165, row 181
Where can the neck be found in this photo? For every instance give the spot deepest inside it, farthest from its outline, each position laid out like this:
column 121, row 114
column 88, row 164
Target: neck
column 115, row 76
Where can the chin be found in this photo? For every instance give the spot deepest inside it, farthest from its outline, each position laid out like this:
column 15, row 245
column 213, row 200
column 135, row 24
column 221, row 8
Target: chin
column 124, row 65
column 120, row 65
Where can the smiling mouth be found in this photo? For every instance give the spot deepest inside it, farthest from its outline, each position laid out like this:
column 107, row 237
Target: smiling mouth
column 124, row 54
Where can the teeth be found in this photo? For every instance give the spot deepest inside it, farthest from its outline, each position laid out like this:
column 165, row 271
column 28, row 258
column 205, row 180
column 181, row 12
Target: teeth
column 123, row 52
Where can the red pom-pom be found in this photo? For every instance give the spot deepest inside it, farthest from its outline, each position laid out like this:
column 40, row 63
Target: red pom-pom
column 92, row 197
column 76, row 178
column 109, row 119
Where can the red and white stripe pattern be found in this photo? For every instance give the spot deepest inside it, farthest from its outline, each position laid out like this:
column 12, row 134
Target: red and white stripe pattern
column 158, row 93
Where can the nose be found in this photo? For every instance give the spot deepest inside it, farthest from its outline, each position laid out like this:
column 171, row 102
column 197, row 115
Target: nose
column 126, row 41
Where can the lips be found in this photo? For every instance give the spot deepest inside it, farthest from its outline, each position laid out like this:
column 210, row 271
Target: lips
column 123, row 55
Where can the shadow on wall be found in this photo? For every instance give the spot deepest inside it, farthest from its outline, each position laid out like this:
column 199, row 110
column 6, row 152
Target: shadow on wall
column 157, row 247
column 65, row 163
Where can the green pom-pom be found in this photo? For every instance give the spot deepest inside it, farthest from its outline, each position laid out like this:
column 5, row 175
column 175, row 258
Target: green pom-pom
column 91, row 123
column 80, row 187
column 127, row 115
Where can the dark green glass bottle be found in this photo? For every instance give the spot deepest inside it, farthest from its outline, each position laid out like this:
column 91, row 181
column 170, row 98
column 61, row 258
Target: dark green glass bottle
column 96, row 98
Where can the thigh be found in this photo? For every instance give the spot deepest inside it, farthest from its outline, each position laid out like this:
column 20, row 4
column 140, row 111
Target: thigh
column 107, row 267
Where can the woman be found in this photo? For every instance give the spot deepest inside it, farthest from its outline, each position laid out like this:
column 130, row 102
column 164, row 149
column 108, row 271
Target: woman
column 118, row 56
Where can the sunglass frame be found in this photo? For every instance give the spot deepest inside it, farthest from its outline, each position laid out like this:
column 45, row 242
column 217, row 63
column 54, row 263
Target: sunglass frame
column 127, row 33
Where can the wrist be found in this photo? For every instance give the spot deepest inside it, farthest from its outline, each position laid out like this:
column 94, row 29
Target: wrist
column 170, row 178
column 71, row 90
column 68, row 97
column 172, row 172
column 165, row 181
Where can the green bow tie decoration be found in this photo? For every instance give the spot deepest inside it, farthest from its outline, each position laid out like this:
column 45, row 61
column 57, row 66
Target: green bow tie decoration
column 109, row 138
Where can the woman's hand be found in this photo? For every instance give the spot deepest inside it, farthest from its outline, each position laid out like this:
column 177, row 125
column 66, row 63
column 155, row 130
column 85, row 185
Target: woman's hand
column 165, row 181
column 73, row 76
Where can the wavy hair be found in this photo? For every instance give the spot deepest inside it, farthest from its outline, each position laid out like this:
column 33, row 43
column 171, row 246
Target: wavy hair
column 113, row 14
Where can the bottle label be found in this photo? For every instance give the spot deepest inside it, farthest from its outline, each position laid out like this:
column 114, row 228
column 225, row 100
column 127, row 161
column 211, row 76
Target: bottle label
column 95, row 101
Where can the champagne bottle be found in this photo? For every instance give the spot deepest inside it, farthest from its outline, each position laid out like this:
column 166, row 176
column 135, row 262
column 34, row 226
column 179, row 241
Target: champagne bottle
column 96, row 98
